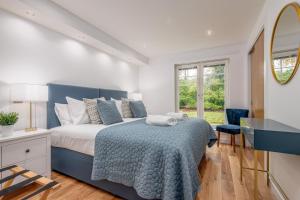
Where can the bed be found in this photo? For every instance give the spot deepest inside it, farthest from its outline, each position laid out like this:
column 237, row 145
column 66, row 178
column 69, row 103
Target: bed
column 73, row 151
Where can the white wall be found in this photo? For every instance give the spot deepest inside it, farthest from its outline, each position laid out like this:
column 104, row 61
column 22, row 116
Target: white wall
column 30, row 53
column 281, row 103
column 157, row 81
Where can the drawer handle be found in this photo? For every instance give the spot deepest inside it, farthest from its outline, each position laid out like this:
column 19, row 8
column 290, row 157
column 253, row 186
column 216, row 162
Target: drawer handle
column 27, row 150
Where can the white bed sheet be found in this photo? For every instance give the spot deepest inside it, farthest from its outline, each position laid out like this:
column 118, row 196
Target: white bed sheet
column 80, row 138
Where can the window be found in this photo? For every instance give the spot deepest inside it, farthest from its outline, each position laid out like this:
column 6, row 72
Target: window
column 201, row 90
column 188, row 90
column 214, row 93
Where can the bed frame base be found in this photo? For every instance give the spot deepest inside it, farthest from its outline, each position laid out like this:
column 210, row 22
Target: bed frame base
column 79, row 166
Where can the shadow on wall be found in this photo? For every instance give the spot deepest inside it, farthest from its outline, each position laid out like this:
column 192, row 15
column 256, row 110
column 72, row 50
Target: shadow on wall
column 4, row 97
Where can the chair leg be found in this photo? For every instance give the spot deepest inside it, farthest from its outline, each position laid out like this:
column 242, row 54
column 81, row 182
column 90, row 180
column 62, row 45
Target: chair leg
column 233, row 142
column 218, row 138
column 244, row 141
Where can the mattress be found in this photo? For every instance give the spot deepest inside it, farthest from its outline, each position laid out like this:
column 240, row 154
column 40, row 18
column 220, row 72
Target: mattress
column 79, row 138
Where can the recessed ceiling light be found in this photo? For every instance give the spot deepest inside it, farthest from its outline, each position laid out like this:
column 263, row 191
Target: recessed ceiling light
column 209, row 32
column 30, row 13
column 81, row 37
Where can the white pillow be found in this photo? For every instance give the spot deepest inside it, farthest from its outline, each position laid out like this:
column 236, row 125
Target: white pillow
column 62, row 113
column 77, row 110
column 119, row 105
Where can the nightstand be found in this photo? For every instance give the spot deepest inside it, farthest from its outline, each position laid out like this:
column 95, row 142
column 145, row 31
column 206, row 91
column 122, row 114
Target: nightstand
column 30, row 150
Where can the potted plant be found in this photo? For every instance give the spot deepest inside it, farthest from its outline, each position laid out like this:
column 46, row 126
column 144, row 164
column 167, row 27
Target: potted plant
column 7, row 122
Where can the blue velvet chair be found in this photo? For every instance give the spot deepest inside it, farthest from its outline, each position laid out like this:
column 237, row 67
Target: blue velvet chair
column 233, row 126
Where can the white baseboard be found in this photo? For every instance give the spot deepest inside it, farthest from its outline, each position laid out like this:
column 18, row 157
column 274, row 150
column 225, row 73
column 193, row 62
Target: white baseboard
column 276, row 191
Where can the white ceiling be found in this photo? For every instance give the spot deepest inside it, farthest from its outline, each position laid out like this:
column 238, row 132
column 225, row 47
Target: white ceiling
column 56, row 18
column 158, row 27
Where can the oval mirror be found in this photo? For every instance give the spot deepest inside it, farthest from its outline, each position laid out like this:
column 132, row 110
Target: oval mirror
column 285, row 45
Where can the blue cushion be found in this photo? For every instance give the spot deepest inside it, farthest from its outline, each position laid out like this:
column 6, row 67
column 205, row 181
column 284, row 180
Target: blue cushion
column 138, row 109
column 108, row 112
column 229, row 128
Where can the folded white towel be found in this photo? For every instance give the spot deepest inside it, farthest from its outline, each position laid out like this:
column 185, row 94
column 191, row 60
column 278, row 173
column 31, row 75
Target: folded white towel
column 178, row 116
column 161, row 120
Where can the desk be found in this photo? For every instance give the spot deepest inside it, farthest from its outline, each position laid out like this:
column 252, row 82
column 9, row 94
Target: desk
column 271, row 136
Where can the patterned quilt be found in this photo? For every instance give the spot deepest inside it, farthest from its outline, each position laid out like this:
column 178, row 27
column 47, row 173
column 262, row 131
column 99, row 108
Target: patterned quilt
column 159, row 162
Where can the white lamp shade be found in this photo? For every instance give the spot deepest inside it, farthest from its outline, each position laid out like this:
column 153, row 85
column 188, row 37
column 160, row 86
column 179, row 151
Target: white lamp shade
column 29, row 93
column 135, row 96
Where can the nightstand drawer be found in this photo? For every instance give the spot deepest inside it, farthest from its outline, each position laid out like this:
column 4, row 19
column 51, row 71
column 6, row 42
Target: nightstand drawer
column 21, row 151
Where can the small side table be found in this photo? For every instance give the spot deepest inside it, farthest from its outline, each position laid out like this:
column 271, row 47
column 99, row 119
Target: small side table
column 270, row 136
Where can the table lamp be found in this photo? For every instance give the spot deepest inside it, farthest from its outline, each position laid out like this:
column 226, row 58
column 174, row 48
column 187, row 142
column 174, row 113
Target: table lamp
column 27, row 93
column 135, row 96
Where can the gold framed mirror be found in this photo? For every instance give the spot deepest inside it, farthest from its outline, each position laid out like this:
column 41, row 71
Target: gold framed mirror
column 285, row 44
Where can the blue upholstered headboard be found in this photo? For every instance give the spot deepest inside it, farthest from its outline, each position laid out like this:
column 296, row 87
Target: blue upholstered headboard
column 58, row 93
column 116, row 94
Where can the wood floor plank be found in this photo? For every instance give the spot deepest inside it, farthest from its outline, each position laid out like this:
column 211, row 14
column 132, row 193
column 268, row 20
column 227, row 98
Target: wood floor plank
column 219, row 174
column 227, row 183
column 264, row 192
column 240, row 191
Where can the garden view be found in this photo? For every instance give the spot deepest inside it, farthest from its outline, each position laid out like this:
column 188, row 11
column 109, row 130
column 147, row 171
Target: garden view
column 284, row 67
column 213, row 79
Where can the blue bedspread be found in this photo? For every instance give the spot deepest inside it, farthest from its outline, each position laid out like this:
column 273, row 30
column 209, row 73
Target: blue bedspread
column 159, row 162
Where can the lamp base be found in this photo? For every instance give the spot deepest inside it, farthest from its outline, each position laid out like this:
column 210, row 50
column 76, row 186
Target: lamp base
column 30, row 129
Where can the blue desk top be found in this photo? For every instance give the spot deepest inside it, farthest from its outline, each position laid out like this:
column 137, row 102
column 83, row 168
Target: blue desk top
column 270, row 135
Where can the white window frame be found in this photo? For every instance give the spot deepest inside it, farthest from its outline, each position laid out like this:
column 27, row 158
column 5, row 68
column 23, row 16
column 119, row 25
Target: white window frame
column 200, row 98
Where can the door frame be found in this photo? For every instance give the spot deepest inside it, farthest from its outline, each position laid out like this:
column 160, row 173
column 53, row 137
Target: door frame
column 262, row 155
column 200, row 95
column 249, row 98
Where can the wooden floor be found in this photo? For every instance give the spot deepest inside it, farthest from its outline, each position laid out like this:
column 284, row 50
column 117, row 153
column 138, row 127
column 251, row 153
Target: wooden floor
column 219, row 176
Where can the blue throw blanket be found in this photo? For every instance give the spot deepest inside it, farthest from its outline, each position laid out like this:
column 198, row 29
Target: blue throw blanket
column 160, row 162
